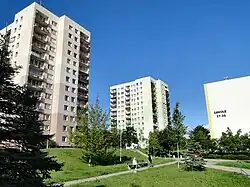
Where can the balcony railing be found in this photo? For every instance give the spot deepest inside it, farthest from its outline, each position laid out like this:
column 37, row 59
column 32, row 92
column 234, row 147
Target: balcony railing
column 37, row 77
column 40, row 68
column 83, row 79
column 38, row 56
column 39, row 48
column 36, row 87
column 82, row 96
column 41, row 30
column 84, row 49
column 42, row 39
column 84, row 70
column 41, row 20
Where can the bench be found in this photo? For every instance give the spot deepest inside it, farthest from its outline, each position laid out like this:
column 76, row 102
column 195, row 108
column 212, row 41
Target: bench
column 140, row 164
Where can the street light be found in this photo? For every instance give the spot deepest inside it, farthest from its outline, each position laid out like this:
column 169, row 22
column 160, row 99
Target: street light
column 121, row 145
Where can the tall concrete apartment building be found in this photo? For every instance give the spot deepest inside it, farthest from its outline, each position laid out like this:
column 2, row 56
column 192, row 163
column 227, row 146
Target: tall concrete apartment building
column 228, row 105
column 142, row 104
column 54, row 54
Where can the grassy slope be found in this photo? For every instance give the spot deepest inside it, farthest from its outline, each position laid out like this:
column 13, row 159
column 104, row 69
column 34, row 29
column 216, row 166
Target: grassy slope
column 74, row 168
column 171, row 176
column 240, row 164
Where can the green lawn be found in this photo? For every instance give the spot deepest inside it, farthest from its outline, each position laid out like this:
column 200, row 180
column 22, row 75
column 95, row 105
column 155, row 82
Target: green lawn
column 74, row 168
column 240, row 164
column 171, row 176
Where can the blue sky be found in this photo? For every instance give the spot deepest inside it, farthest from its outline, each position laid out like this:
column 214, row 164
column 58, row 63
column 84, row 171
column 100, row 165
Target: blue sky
column 184, row 43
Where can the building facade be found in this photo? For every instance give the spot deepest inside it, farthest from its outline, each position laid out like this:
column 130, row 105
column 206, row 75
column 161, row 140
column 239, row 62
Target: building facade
column 228, row 105
column 142, row 104
column 54, row 54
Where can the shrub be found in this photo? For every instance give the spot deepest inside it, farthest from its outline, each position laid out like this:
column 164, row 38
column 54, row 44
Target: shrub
column 228, row 156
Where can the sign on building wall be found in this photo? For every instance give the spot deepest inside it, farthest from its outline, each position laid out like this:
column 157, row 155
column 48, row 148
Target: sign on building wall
column 220, row 113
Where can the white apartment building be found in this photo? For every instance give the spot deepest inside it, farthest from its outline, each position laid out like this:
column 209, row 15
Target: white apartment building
column 228, row 105
column 142, row 104
column 54, row 54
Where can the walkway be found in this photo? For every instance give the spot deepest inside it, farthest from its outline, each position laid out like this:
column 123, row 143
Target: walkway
column 69, row 183
column 140, row 152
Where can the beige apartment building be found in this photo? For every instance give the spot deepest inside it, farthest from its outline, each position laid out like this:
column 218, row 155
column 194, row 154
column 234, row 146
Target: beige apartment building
column 54, row 54
column 142, row 104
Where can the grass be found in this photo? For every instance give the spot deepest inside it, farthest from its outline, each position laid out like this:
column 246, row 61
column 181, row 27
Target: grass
column 171, row 176
column 239, row 164
column 74, row 168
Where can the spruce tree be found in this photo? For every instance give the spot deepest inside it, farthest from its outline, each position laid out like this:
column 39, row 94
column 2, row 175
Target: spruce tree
column 194, row 160
column 22, row 163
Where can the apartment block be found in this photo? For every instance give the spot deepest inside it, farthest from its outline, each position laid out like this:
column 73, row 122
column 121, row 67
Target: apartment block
column 228, row 105
column 54, row 53
column 142, row 104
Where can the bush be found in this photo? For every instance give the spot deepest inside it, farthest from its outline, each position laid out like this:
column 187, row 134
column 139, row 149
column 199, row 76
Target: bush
column 227, row 156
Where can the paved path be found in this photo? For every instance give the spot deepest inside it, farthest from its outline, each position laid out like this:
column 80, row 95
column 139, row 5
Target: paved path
column 69, row 183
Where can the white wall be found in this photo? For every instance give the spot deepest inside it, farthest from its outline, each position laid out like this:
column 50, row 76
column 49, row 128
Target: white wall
column 232, row 97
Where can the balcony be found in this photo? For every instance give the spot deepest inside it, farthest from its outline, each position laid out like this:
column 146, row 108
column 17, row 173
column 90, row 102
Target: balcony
column 113, row 100
column 113, row 114
column 42, row 39
column 37, row 77
column 84, row 70
column 36, row 87
column 82, row 87
column 41, row 99
column 41, row 30
column 40, row 19
column 39, row 48
column 84, row 49
column 82, row 96
column 84, row 79
column 113, row 105
column 84, row 56
column 40, row 57
column 84, row 41
column 37, row 67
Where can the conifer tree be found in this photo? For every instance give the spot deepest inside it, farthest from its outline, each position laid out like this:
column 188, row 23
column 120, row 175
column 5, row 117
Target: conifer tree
column 194, row 160
column 22, row 163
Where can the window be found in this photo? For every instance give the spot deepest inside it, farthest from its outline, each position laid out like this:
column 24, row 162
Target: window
column 65, row 118
column 20, row 26
column 53, row 40
column 73, row 100
column 74, row 63
column 75, row 55
column 13, row 39
column 47, row 106
column 70, row 35
column 46, row 127
column 70, row 27
column 67, row 70
column 15, row 30
column 21, row 18
column 49, row 86
column 69, row 52
column 67, row 88
column 73, row 81
column 16, row 54
column 66, row 98
column 68, row 60
column 76, row 39
column 18, row 36
column 76, row 31
column 53, row 31
column 72, row 109
column 16, row 20
column 66, row 107
column 46, row 117
column 73, row 90
column 52, row 49
column 64, row 128
column 64, row 139
column 54, row 23
column 67, row 78
column 74, row 72
column 51, row 58
column 72, row 119
column 50, row 67
column 17, row 45
column 48, row 96
column 69, row 44
column 75, row 46
column 49, row 76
